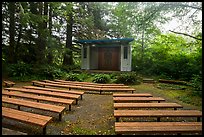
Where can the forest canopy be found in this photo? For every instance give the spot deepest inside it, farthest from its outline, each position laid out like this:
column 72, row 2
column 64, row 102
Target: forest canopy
column 40, row 36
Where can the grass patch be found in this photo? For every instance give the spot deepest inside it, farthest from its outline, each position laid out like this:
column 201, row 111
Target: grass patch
column 172, row 93
column 83, row 131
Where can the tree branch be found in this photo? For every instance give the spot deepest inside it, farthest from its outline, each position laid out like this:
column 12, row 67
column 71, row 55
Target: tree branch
column 183, row 5
column 186, row 35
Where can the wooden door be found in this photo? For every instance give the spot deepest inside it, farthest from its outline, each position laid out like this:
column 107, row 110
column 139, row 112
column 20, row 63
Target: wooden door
column 108, row 58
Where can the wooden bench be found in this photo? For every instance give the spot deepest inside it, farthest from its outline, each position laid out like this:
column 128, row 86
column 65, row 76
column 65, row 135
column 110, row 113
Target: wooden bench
column 43, row 84
column 137, row 99
column 36, row 105
column 72, row 84
column 88, row 83
column 149, row 128
column 39, row 98
column 118, row 89
column 82, row 87
column 56, row 90
column 157, row 113
column 46, row 93
column 146, row 105
column 132, row 95
column 26, row 117
column 173, row 82
column 66, row 86
column 9, row 83
column 148, row 81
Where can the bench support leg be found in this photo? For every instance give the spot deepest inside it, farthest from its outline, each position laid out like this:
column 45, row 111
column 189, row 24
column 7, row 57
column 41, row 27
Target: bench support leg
column 81, row 97
column 44, row 130
column 60, row 117
column 19, row 107
column 198, row 119
column 158, row 119
column 69, row 107
column 76, row 101
column 117, row 119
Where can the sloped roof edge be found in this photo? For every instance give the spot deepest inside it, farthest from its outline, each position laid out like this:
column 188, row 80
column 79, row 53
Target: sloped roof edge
column 102, row 41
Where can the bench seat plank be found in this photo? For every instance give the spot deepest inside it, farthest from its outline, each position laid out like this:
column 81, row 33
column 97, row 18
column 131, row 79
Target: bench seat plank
column 132, row 95
column 39, row 98
column 26, row 117
column 118, row 89
column 32, row 118
column 47, row 93
column 147, row 105
column 37, row 105
column 132, row 99
column 157, row 113
column 157, row 127
column 56, row 90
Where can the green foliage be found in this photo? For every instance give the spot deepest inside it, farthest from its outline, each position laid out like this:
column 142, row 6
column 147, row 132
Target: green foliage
column 197, row 84
column 49, row 72
column 101, row 78
column 170, row 57
column 19, row 70
column 69, row 68
column 73, row 77
column 84, row 76
column 128, row 78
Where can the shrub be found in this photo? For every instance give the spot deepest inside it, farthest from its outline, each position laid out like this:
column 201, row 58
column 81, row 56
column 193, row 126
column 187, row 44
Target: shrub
column 83, row 76
column 197, row 84
column 101, row 78
column 73, row 77
column 49, row 72
column 128, row 78
column 20, row 69
column 70, row 67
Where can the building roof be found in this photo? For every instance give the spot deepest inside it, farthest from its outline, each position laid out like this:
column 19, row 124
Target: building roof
column 106, row 41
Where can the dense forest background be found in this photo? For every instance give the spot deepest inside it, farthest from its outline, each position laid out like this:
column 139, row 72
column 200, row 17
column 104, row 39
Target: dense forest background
column 38, row 38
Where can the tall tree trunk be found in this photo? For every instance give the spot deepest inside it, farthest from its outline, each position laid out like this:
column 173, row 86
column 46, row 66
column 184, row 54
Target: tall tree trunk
column 142, row 51
column 50, row 56
column 18, row 42
column 33, row 28
column 68, row 56
column 11, row 8
column 41, row 37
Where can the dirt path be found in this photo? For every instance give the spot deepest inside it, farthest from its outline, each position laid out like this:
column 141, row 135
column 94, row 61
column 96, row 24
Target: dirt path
column 93, row 115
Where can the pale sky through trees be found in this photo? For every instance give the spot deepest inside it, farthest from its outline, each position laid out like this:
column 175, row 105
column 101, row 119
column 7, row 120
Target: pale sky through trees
column 177, row 25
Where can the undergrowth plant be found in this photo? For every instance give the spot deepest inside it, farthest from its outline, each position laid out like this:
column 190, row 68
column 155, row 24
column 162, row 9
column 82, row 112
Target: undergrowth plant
column 101, row 78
